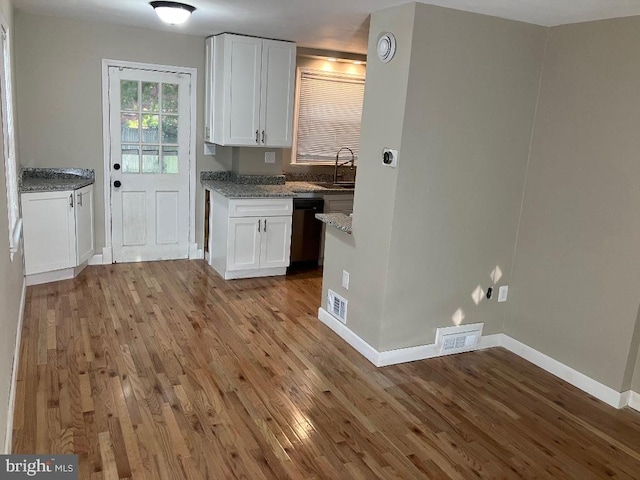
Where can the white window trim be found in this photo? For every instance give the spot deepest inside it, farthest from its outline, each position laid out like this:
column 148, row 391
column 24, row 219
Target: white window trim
column 9, row 141
column 107, row 252
column 299, row 72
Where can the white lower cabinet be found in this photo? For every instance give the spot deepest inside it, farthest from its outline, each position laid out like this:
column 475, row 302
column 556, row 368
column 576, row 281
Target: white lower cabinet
column 58, row 230
column 85, row 246
column 249, row 237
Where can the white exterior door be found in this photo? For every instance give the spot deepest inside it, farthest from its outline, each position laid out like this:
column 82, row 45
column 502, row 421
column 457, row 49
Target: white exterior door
column 150, row 124
column 276, row 242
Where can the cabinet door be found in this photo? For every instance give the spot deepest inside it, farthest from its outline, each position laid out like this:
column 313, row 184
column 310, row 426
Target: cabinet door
column 278, row 83
column 242, row 57
column 243, row 247
column 49, row 231
column 275, row 242
column 84, row 224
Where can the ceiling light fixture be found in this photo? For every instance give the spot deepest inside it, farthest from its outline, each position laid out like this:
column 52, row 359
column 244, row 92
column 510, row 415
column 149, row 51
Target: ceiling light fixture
column 172, row 12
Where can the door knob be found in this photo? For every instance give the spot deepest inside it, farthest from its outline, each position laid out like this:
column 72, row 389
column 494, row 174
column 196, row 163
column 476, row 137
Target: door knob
column 116, row 166
column 117, row 183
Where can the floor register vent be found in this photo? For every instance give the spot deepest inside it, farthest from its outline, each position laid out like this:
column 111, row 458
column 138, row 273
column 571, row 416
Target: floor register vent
column 337, row 306
column 463, row 338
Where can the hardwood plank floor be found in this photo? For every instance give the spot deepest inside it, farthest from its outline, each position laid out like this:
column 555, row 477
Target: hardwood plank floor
column 163, row 370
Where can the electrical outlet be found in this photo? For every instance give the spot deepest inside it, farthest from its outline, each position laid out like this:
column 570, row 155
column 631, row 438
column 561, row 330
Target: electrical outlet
column 209, row 148
column 503, row 291
column 269, row 157
column 345, row 279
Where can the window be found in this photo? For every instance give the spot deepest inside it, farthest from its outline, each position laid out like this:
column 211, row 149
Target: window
column 9, row 148
column 328, row 115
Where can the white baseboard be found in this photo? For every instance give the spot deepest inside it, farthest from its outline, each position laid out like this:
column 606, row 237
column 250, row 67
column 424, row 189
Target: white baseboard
column 96, row 260
column 348, row 336
column 107, row 256
column 566, row 373
column 14, row 372
column 634, row 400
column 46, row 277
column 261, row 272
column 195, row 253
column 391, row 357
column 422, row 352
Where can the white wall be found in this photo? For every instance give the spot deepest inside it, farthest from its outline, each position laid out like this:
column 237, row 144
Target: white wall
column 11, row 283
column 60, row 93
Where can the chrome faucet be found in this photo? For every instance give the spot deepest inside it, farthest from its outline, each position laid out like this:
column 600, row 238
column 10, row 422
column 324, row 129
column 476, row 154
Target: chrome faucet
column 352, row 161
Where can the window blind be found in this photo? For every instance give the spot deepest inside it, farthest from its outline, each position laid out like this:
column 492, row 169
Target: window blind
column 329, row 115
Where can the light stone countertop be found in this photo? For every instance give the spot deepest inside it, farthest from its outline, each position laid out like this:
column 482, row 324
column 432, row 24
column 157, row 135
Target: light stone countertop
column 289, row 189
column 55, row 179
column 337, row 220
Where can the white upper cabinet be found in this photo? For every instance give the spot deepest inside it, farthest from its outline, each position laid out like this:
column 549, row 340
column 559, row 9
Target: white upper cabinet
column 249, row 91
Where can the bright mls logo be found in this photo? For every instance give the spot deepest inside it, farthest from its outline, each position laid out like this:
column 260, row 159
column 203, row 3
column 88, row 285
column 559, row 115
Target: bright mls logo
column 52, row 467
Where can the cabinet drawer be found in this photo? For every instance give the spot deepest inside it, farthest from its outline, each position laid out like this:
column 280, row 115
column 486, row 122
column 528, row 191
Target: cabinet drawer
column 260, row 207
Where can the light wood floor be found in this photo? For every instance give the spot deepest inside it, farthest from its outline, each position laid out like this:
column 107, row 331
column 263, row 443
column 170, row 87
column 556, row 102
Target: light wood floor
column 163, row 370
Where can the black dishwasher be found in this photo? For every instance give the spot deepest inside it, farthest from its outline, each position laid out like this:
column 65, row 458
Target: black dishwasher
column 306, row 232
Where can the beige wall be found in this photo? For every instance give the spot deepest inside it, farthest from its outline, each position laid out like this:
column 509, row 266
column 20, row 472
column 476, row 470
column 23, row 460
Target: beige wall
column 429, row 232
column 11, row 281
column 250, row 161
column 59, row 75
column 365, row 254
column 473, row 86
column 575, row 289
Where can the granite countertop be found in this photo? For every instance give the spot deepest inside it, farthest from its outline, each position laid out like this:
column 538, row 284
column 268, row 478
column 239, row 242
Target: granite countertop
column 255, row 186
column 338, row 220
column 55, row 179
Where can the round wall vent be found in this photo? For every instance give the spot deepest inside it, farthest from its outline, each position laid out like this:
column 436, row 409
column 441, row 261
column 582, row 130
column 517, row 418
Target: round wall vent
column 386, row 46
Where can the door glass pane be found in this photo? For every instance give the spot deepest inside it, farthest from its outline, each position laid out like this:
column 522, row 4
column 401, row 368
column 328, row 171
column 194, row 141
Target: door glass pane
column 130, row 159
column 151, row 159
column 169, row 129
column 128, row 95
column 150, row 129
column 129, row 123
column 169, row 98
column 169, row 159
column 149, row 97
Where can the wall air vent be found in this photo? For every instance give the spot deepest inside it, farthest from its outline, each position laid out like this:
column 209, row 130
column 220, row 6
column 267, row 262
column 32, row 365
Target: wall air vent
column 463, row 338
column 337, row 306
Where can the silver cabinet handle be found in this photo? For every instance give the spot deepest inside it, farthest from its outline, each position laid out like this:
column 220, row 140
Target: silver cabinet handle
column 257, row 141
column 259, row 220
column 265, row 224
column 262, row 136
column 79, row 199
column 71, row 200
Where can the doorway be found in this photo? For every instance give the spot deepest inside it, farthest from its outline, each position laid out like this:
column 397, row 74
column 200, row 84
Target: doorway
column 149, row 169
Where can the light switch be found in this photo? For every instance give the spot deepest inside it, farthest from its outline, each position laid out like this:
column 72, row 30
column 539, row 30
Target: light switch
column 345, row 279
